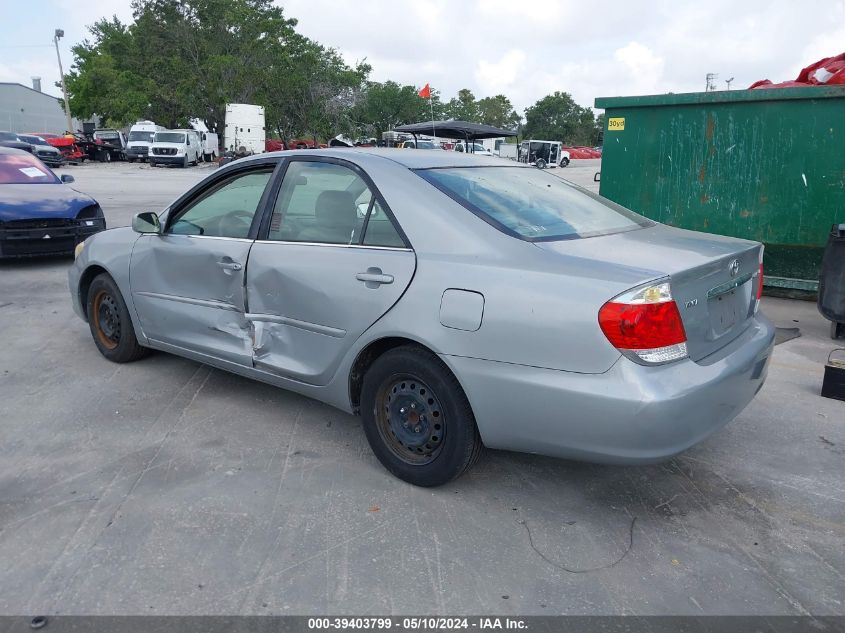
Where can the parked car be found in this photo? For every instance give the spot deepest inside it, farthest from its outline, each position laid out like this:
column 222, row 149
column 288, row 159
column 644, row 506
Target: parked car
column 11, row 139
column 49, row 155
column 210, row 146
column 175, row 147
column 473, row 148
column 140, row 138
column 109, row 144
column 452, row 301
column 39, row 213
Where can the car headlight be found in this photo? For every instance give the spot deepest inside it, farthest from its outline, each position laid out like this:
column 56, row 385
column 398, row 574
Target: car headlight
column 78, row 250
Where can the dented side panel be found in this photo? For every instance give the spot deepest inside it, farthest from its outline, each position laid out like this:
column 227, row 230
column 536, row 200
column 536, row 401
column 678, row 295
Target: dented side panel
column 189, row 291
column 308, row 306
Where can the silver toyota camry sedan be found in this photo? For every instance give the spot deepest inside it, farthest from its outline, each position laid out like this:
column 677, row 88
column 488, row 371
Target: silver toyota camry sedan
column 454, row 302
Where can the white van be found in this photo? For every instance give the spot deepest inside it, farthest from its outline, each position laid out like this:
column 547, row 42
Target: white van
column 210, row 145
column 244, row 128
column 140, row 138
column 176, row 147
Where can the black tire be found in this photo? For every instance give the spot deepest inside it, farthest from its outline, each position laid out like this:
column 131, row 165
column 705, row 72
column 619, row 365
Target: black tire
column 152, row 163
column 184, row 162
column 564, row 161
column 540, row 163
column 837, row 330
column 131, row 160
column 417, row 418
column 110, row 323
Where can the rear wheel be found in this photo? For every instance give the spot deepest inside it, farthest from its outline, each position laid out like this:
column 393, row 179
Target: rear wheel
column 837, row 330
column 417, row 418
column 185, row 161
column 540, row 163
column 110, row 324
column 564, row 161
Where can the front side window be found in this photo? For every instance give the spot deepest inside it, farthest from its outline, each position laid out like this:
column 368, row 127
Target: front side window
column 532, row 204
column 226, row 210
column 329, row 204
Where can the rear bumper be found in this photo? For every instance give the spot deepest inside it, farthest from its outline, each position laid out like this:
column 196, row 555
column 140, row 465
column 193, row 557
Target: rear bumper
column 630, row 414
column 54, row 240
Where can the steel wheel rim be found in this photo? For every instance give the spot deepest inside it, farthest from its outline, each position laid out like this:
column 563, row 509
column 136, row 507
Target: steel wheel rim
column 106, row 319
column 410, row 419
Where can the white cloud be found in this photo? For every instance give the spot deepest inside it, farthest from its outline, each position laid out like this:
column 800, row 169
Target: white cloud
column 499, row 77
column 522, row 48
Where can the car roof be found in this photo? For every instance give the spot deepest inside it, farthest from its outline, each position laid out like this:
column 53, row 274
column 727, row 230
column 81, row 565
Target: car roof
column 410, row 158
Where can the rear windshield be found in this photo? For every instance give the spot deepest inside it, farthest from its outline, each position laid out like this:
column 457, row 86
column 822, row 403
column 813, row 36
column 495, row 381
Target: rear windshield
column 169, row 137
column 532, row 204
column 19, row 169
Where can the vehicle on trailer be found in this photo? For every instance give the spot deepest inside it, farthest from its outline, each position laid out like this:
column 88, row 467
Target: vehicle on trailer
column 108, row 145
column 244, row 130
column 176, row 147
column 140, row 139
column 443, row 297
column 49, row 155
column 12, row 140
column 541, row 154
column 39, row 213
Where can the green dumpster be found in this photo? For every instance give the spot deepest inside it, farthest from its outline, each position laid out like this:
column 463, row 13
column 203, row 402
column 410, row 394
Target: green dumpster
column 767, row 165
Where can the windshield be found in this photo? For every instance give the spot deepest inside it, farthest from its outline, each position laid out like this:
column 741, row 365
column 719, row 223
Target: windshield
column 169, row 137
column 427, row 145
column 532, row 204
column 139, row 135
column 34, row 140
column 24, row 169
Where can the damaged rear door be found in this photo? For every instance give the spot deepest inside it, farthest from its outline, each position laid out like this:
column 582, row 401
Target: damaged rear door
column 188, row 282
column 332, row 261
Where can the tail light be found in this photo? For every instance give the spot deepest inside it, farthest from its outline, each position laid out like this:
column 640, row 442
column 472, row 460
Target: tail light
column 645, row 325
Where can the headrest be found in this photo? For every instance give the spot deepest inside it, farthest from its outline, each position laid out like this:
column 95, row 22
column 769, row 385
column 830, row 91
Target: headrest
column 336, row 208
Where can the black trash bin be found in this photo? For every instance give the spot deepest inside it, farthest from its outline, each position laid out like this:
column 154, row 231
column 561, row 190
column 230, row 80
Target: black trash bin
column 832, row 281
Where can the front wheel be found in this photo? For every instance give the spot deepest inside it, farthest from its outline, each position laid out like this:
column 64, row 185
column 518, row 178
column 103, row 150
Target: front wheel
column 564, row 161
column 110, row 323
column 417, row 418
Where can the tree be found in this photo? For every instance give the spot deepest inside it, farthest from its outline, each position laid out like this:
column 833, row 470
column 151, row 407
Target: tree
column 383, row 106
column 557, row 117
column 464, row 107
column 498, row 112
column 185, row 59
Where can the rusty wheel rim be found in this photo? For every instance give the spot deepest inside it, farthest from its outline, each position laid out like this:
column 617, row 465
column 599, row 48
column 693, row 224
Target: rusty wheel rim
column 106, row 320
column 410, row 419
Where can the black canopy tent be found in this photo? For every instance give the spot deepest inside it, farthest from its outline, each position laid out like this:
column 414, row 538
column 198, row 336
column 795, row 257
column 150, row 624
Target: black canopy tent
column 455, row 129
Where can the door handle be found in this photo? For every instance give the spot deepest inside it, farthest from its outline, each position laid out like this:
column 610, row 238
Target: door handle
column 230, row 265
column 374, row 278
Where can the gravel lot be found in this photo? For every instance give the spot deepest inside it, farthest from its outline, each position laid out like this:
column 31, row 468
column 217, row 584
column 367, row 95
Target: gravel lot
column 167, row 487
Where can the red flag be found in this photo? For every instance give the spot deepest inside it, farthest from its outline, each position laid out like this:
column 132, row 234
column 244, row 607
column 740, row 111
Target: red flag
column 425, row 93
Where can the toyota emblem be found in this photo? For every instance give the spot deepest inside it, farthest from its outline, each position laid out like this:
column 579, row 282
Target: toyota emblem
column 734, row 267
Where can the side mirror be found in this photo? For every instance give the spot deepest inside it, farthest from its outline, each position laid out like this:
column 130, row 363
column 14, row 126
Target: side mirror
column 67, row 179
column 146, row 222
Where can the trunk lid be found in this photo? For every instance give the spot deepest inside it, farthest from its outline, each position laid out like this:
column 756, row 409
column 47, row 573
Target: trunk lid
column 713, row 278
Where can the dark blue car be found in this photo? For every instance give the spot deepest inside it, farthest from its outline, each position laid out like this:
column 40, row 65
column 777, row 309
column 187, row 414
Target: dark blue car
column 39, row 213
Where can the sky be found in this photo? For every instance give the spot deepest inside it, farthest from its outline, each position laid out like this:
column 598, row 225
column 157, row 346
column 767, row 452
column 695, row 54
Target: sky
column 524, row 49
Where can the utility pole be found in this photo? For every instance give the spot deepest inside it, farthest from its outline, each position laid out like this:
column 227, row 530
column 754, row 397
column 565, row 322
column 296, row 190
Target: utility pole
column 728, row 81
column 56, row 36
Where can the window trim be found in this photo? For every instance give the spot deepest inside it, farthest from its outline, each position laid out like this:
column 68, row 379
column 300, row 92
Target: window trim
column 264, row 228
column 476, row 211
column 206, row 187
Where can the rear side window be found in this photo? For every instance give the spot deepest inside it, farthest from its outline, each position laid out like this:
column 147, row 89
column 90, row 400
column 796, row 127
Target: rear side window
column 329, row 204
column 532, row 204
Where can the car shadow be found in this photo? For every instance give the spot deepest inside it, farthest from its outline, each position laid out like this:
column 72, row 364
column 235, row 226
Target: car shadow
column 35, row 262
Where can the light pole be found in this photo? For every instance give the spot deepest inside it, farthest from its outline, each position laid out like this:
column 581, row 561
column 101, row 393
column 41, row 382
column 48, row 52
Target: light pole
column 59, row 34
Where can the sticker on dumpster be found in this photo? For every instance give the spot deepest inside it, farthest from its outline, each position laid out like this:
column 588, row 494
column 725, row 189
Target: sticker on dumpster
column 616, row 124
